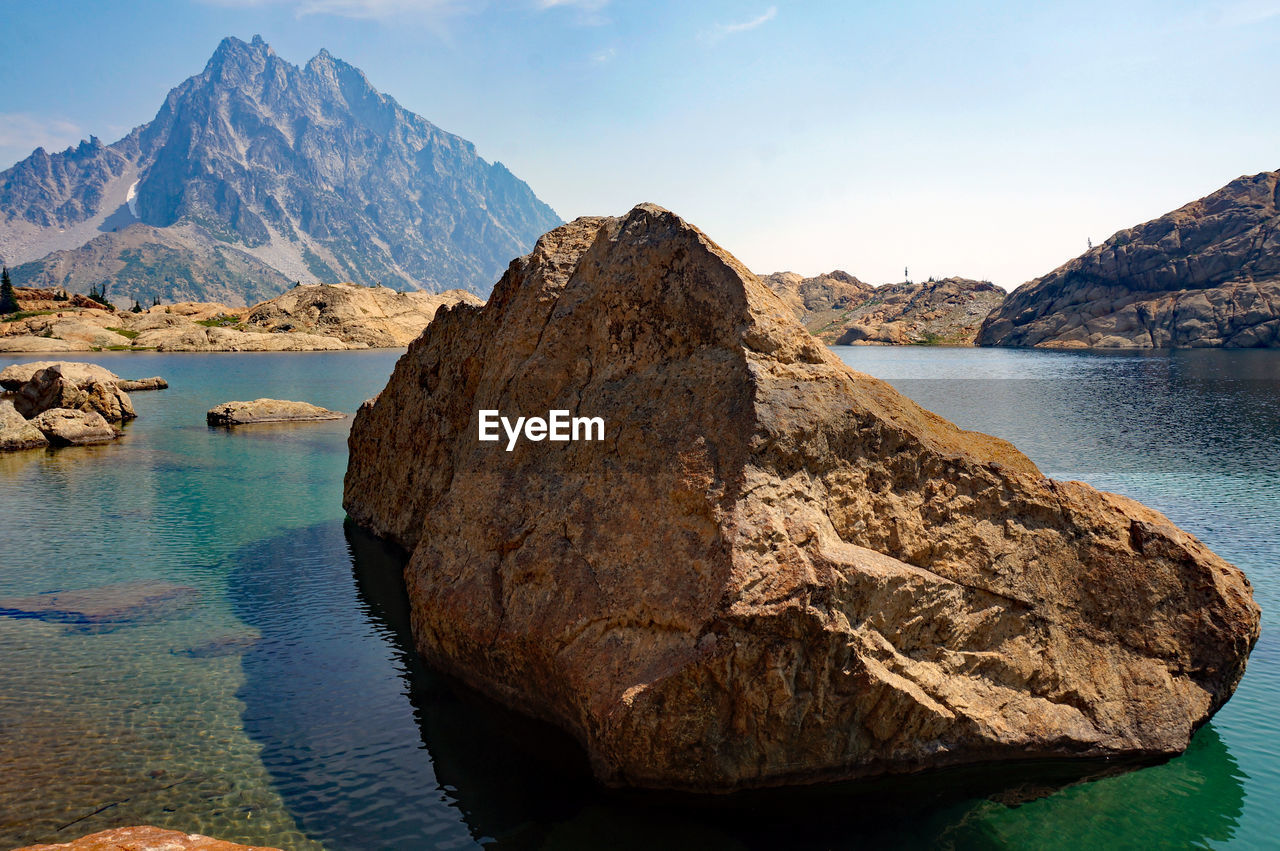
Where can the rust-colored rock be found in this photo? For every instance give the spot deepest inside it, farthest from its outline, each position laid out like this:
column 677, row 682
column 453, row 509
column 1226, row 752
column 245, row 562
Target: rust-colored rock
column 146, row 838
column 773, row 569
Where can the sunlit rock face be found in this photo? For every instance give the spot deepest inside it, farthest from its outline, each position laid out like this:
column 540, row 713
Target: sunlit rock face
column 773, row 569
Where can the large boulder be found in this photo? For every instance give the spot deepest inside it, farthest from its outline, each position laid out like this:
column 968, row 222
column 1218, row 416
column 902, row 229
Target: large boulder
column 772, row 569
column 16, row 432
column 66, row 386
column 64, row 427
column 267, row 411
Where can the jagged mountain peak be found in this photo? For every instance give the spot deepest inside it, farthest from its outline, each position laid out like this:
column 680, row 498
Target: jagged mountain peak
column 310, row 171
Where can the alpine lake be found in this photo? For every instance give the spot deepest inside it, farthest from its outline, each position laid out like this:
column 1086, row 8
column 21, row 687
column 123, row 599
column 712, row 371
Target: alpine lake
column 280, row 702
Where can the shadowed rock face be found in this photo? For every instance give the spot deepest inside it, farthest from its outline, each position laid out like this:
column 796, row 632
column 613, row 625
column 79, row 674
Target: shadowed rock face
column 773, row 569
column 1207, row 274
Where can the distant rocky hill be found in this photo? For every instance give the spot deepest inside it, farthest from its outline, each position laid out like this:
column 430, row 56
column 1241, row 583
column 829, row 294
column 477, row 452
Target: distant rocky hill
column 1207, row 274
column 839, row 308
column 255, row 174
column 306, row 318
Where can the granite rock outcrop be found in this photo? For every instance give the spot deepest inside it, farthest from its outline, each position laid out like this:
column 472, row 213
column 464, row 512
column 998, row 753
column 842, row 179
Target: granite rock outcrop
column 1205, row 275
column 773, row 570
column 267, row 411
column 146, row 838
column 838, row 308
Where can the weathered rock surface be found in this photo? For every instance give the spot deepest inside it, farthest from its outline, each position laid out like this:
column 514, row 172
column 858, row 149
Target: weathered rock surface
column 65, row 427
column 16, row 432
column 267, row 411
column 17, row 374
column 326, row 317
column 1205, row 275
column 773, row 569
column 105, row 605
column 377, row 317
column 69, row 386
column 132, row 385
column 146, row 838
column 838, row 308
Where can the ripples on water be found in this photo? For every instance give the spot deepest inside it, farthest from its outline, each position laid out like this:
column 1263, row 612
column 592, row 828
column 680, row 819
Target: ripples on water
column 288, row 708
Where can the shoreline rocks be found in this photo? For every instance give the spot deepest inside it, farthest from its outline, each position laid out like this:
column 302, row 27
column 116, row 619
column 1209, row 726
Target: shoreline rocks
column 145, row 838
column 773, row 570
column 839, row 309
column 1204, row 275
column 268, row 411
column 319, row 317
column 62, row 386
column 65, row 427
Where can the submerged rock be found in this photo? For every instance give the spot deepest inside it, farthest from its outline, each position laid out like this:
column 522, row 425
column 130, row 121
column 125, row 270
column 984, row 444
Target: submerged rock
column 58, row 386
column 146, row 838
column 105, row 605
column 65, row 427
column 267, row 411
column 16, row 432
column 773, row 569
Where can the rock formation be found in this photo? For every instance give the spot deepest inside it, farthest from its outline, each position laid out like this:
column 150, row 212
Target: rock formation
column 16, row 432
column 134, row 385
column 105, row 605
column 838, row 308
column 17, row 374
column 69, row 387
column 325, row 317
column 376, row 317
column 146, row 838
column 65, row 427
column 1207, row 274
column 267, row 411
column 255, row 174
column 773, row 569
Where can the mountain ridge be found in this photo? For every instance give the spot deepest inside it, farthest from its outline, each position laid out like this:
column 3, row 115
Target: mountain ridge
column 308, row 171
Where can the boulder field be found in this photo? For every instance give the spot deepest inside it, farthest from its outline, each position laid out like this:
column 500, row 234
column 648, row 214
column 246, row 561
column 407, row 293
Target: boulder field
column 773, row 569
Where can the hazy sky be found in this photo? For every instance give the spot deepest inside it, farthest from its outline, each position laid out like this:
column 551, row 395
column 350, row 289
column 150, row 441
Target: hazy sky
column 988, row 140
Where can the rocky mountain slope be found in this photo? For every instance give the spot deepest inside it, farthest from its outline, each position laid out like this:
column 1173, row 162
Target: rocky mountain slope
column 306, row 318
column 838, row 308
column 255, row 174
column 1207, row 274
column 768, row 569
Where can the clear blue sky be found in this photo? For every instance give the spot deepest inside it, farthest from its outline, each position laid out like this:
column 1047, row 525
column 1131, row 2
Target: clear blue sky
column 979, row 139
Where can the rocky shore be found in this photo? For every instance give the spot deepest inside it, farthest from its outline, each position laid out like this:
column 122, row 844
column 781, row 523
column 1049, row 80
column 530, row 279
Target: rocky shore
column 61, row 403
column 323, row 317
column 773, row 570
column 1205, row 275
column 839, row 309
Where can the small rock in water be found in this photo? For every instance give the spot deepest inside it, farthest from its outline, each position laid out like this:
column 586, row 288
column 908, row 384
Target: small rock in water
column 104, row 606
column 268, row 411
column 132, row 385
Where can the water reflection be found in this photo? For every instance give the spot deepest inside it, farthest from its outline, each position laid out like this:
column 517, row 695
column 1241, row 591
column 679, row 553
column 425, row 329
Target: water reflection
column 370, row 749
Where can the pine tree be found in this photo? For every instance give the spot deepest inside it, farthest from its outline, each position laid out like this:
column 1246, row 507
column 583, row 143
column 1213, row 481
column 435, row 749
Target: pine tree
column 8, row 298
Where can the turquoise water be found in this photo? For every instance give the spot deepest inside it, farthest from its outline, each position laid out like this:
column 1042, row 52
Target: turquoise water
column 286, row 706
